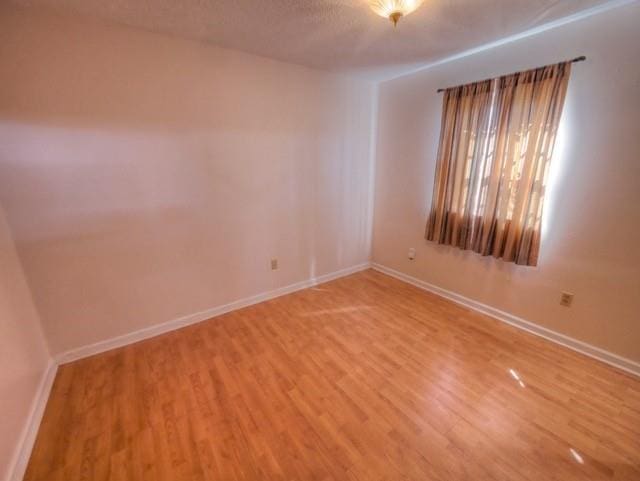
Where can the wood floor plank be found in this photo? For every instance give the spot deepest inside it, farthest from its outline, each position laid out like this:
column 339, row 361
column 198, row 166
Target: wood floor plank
column 363, row 378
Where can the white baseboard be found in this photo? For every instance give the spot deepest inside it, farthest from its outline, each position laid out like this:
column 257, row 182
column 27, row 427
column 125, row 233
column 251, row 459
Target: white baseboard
column 152, row 331
column 582, row 347
column 27, row 439
column 30, row 430
column 21, row 459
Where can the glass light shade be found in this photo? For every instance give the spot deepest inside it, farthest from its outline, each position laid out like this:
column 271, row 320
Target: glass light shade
column 394, row 9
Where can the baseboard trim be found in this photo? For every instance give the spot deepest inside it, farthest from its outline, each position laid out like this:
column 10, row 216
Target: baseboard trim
column 153, row 331
column 625, row 364
column 30, row 431
column 28, row 437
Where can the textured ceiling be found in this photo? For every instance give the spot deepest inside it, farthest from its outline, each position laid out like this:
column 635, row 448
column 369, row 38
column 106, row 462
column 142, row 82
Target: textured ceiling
column 339, row 35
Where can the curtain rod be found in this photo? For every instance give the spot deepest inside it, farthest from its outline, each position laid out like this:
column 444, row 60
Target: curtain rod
column 577, row 59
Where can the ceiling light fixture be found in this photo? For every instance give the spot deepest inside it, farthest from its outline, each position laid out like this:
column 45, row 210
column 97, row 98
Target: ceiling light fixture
column 394, row 9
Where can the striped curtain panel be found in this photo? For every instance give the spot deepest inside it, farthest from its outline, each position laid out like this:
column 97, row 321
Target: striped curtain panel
column 496, row 143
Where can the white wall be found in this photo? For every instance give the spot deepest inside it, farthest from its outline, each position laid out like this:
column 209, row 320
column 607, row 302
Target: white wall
column 591, row 236
column 146, row 177
column 143, row 178
column 23, row 354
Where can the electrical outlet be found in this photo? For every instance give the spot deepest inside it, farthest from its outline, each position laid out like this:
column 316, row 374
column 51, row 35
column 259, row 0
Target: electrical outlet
column 274, row 264
column 566, row 298
column 412, row 254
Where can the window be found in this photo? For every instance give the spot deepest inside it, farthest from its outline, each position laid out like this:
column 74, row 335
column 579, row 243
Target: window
column 496, row 143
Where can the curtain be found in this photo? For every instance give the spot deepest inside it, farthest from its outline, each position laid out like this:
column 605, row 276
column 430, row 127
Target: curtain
column 496, row 143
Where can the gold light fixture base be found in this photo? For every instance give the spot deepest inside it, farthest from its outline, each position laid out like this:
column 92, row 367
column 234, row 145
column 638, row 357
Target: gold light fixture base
column 394, row 10
column 394, row 17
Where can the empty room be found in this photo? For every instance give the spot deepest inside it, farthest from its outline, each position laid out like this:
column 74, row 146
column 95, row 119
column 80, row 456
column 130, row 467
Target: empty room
column 320, row 240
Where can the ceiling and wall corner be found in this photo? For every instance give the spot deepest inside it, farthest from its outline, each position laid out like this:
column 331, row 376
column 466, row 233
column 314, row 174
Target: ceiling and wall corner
column 383, row 75
column 335, row 35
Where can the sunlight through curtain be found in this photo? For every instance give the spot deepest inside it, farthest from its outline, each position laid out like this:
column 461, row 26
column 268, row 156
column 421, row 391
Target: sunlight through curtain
column 496, row 143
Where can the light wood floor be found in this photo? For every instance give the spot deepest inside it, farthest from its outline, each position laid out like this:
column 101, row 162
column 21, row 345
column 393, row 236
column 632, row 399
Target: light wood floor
column 363, row 378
